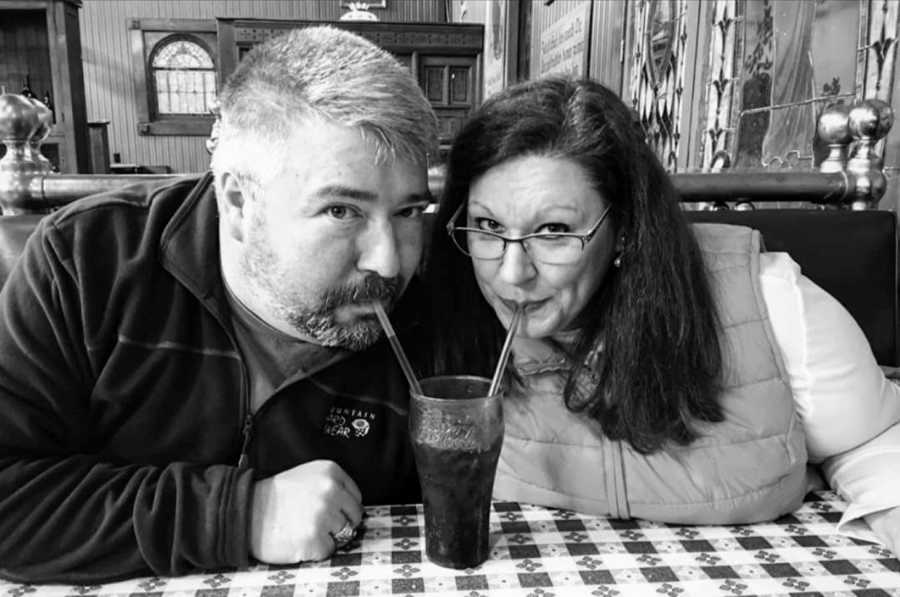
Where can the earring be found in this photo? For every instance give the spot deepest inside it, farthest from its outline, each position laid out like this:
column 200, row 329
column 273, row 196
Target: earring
column 617, row 262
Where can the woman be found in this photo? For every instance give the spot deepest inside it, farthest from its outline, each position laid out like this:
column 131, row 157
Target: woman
column 660, row 370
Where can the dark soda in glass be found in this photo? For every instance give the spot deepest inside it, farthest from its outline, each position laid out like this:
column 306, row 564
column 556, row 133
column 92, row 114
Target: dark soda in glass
column 456, row 433
column 456, row 494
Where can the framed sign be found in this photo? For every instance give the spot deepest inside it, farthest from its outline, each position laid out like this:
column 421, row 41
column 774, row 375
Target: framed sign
column 560, row 39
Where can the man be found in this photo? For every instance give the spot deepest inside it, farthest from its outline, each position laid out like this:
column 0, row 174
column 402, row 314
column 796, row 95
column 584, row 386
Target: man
column 191, row 376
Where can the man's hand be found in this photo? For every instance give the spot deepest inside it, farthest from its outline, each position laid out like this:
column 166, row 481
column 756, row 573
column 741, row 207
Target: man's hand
column 296, row 512
column 886, row 526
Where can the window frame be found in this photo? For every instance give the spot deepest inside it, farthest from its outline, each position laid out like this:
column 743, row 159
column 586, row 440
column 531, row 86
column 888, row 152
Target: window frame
column 146, row 36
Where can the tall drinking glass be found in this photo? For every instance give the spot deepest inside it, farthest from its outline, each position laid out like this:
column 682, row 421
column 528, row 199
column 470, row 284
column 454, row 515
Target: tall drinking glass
column 456, row 432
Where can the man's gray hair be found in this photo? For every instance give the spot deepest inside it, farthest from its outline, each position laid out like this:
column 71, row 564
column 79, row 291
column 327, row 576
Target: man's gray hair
column 327, row 74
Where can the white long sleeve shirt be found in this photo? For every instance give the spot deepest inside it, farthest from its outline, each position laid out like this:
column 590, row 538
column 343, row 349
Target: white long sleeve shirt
column 850, row 410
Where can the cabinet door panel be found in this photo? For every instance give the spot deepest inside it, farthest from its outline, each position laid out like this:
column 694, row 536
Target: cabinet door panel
column 461, row 85
column 432, row 83
column 449, row 84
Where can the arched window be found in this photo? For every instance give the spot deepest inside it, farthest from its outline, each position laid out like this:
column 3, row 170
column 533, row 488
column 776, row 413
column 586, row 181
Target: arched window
column 175, row 66
column 183, row 77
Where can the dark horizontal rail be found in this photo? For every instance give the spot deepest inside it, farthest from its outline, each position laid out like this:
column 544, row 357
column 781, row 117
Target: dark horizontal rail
column 817, row 187
column 54, row 190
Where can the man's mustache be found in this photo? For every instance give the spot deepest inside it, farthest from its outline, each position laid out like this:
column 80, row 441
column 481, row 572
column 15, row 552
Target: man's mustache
column 372, row 288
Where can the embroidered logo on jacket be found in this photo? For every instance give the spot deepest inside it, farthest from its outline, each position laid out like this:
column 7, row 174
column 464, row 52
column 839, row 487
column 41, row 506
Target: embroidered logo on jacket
column 350, row 423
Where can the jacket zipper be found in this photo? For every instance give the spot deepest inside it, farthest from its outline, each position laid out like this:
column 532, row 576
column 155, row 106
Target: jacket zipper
column 247, row 434
column 622, row 506
column 214, row 308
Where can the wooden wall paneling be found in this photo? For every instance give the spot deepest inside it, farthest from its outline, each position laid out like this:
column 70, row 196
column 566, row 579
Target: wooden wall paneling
column 607, row 43
column 137, row 51
column 541, row 15
column 523, row 41
column 512, row 42
column 99, row 147
column 109, row 89
column 538, row 17
column 65, row 44
column 475, row 11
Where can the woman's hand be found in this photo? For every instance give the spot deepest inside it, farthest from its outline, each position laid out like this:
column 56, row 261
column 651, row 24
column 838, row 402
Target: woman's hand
column 886, row 526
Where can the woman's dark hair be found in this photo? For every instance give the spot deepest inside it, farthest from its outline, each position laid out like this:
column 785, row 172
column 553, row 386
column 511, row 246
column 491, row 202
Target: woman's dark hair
column 655, row 317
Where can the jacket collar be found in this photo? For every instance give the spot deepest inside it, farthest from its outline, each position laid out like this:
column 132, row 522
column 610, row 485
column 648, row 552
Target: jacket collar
column 189, row 247
column 535, row 356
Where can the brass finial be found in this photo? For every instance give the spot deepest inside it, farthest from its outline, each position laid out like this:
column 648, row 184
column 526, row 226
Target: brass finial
column 834, row 129
column 869, row 121
column 19, row 120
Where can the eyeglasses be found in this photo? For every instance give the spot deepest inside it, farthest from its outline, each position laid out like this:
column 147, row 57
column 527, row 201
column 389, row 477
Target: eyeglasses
column 551, row 248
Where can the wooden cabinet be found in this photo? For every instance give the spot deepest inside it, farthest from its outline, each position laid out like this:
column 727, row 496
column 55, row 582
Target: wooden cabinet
column 445, row 57
column 40, row 40
column 449, row 84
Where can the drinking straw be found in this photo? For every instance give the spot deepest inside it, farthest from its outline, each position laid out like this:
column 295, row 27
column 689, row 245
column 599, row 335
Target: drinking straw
column 504, row 352
column 398, row 350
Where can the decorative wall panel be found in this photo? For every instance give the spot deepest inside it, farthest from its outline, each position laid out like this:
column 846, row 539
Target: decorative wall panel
column 657, row 74
column 718, row 132
column 774, row 65
column 877, row 52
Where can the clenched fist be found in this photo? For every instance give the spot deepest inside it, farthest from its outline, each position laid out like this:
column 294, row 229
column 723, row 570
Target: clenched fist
column 296, row 512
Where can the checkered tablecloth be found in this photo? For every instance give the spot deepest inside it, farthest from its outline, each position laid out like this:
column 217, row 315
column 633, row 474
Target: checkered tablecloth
column 540, row 552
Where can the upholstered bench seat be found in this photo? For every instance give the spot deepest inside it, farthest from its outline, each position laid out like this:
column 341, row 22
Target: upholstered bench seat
column 851, row 254
column 14, row 231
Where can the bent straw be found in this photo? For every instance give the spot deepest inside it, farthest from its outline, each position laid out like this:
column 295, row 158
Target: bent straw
column 398, row 350
column 504, row 352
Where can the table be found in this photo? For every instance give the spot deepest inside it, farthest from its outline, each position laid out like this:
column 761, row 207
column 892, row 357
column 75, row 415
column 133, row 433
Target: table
column 540, row 552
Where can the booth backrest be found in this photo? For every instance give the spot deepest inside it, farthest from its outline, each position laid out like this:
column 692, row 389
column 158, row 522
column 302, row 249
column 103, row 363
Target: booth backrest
column 14, row 231
column 851, row 254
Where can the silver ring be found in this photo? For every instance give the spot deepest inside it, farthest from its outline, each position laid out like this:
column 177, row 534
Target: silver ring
column 344, row 536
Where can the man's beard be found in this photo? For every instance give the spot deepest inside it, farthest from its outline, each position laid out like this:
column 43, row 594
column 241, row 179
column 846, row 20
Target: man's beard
column 318, row 321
